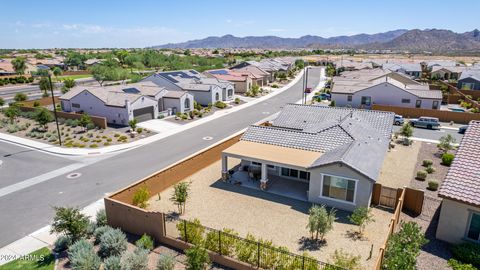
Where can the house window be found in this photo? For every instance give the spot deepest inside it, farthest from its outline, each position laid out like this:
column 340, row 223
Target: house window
column 338, row 188
column 217, row 96
column 187, row 103
column 256, row 163
column 418, row 104
column 295, row 174
column 349, row 98
column 435, row 105
column 367, row 101
column 405, row 100
column 75, row 105
column 473, row 231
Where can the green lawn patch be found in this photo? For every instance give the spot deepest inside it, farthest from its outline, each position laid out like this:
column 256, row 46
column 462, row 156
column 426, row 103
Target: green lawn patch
column 41, row 259
column 61, row 78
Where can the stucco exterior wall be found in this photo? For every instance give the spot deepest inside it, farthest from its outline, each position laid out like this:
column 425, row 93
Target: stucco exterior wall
column 363, row 189
column 453, row 221
column 383, row 94
column 178, row 103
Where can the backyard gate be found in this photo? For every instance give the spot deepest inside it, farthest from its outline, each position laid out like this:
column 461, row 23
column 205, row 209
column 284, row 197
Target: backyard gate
column 388, row 197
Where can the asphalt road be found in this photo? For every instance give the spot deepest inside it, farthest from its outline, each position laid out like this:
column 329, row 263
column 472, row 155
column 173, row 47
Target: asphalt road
column 30, row 208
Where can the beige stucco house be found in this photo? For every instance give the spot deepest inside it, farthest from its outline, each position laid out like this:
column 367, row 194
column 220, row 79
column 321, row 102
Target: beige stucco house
column 460, row 213
column 319, row 154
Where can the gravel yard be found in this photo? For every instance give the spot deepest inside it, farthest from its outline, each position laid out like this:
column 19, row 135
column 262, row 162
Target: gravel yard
column 399, row 165
column 222, row 205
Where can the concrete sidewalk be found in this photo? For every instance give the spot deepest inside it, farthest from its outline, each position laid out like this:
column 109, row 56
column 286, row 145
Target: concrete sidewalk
column 56, row 150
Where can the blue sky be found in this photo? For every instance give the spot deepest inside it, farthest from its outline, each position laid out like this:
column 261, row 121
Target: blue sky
column 141, row 23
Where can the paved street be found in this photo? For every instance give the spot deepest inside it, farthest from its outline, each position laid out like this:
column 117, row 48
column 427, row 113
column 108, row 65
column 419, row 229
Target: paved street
column 29, row 208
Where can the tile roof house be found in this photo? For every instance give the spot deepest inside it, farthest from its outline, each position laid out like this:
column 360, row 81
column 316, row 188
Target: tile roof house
column 262, row 76
column 411, row 69
column 460, row 212
column 469, row 80
column 206, row 90
column 122, row 103
column 362, row 89
column 242, row 81
column 6, row 67
column 336, row 154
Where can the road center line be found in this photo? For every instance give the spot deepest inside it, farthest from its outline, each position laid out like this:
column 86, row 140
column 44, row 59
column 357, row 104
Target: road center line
column 41, row 178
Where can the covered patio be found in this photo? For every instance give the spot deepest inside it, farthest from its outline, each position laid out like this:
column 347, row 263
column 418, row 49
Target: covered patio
column 275, row 169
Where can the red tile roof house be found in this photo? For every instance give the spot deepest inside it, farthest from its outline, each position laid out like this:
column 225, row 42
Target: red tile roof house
column 460, row 212
column 242, row 81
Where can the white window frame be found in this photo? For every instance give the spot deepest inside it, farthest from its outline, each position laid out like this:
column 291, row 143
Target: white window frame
column 337, row 200
column 469, row 223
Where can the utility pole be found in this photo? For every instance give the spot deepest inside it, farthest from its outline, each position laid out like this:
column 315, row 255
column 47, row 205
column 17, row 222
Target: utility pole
column 54, row 109
column 303, row 83
column 306, row 86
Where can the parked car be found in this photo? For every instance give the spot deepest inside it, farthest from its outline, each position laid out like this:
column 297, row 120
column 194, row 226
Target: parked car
column 323, row 96
column 462, row 129
column 398, row 120
column 425, row 122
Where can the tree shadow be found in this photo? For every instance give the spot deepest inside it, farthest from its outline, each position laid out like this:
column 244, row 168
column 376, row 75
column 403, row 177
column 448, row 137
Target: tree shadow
column 311, row 244
column 47, row 260
column 355, row 235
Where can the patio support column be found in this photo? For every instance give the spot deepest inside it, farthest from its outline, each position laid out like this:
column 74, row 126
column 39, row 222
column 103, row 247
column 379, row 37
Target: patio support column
column 264, row 179
column 225, row 168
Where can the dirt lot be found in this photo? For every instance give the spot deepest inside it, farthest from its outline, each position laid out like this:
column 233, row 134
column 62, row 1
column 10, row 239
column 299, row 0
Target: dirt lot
column 399, row 165
column 271, row 217
column 71, row 136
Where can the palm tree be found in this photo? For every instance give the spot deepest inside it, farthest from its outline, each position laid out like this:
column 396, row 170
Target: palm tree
column 19, row 65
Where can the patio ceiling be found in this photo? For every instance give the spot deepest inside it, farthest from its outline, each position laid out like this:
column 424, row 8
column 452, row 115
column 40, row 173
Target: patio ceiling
column 272, row 153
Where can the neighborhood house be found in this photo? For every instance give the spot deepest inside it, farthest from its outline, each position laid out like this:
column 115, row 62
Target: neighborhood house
column 469, row 80
column 460, row 212
column 323, row 154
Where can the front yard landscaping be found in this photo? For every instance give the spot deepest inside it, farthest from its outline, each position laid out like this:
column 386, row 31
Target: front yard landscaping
column 74, row 133
column 270, row 217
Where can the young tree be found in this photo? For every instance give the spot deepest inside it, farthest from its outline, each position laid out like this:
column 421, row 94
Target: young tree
column 12, row 112
column 19, row 97
column 320, row 221
column 43, row 116
column 84, row 120
column 197, row 258
column 361, row 216
column 180, row 196
column 69, row 83
column 57, row 71
column 406, row 131
column 446, row 143
column 133, row 123
column 19, row 64
column 44, row 85
column 70, row 221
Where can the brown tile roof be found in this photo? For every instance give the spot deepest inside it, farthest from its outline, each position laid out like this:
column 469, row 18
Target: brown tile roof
column 462, row 182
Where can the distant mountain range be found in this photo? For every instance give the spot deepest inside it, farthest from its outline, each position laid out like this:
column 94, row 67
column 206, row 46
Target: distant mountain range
column 433, row 40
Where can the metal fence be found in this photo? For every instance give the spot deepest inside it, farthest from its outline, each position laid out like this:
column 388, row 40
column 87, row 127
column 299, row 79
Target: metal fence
column 257, row 253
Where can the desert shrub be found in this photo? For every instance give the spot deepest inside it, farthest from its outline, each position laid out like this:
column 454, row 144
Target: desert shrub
column 197, row 258
column 193, row 233
column 139, row 130
column 91, row 227
column 274, row 85
column 220, row 105
column 344, row 260
column 101, row 218
column 184, row 116
column 36, row 104
column 99, row 231
column 113, row 242
column 361, row 216
column 432, row 185
column 106, row 144
column 94, row 145
column 109, row 139
column 404, row 247
column 447, row 159
column 430, row 169
column 61, row 243
column 467, row 253
column 456, row 265
column 237, row 100
column 427, row 163
column 145, row 242
column 12, row 128
column 165, row 262
column 116, row 135
column 135, row 260
column 421, row 175
column 82, row 256
column 229, row 241
column 90, row 126
column 70, row 221
column 140, row 197
column 112, row 263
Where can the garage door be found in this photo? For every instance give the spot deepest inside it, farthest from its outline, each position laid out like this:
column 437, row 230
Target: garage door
column 143, row 114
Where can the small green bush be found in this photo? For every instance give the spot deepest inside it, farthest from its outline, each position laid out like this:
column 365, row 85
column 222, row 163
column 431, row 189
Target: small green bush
column 427, row 163
column 99, row 232
column 430, row 169
column 432, row 185
column 467, row 253
column 112, row 263
column 116, row 135
column 165, row 262
column 237, row 100
column 61, row 243
column 112, row 243
column 139, row 130
column 421, row 175
column 193, row 233
column 93, row 145
column 90, row 126
column 141, row 196
column 447, row 159
column 197, row 258
column 91, row 228
column 135, row 260
column 109, row 139
column 82, row 256
column 101, row 218
column 456, row 265
column 220, row 105
column 145, row 242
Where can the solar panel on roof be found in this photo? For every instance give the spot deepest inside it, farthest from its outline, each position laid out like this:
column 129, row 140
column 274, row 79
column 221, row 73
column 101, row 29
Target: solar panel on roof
column 131, row 90
column 219, row 72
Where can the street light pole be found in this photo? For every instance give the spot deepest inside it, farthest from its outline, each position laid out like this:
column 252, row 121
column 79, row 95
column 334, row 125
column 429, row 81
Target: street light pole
column 55, row 109
column 306, row 86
